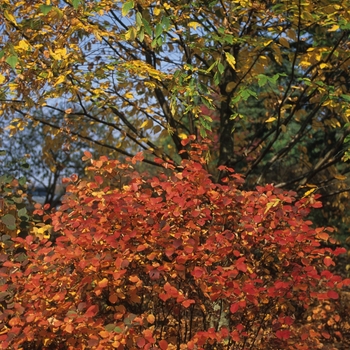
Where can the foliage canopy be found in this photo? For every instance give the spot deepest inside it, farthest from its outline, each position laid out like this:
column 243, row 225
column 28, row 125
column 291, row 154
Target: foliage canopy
column 171, row 263
column 268, row 82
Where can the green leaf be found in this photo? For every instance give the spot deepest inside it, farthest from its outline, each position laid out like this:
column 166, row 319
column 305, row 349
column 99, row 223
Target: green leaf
column 141, row 34
column 118, row 330
column 45, row 9
column 245, row 94
column 221, row 67
column 217, row 78
column 138, row 19
column 110, row 327
column 23, row 213
column 147, row 27
column 236, row 99
column 202, row 132
column 127, row 6
column 12, row 61
column 346, row 97
column 75, row 3
column 9, row 220
column 166, row 23
column 262, row 80
column 159, row 30
column 22, row 181
column 205, row 124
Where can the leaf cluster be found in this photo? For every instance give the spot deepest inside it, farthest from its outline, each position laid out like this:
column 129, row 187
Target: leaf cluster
column 170, row 261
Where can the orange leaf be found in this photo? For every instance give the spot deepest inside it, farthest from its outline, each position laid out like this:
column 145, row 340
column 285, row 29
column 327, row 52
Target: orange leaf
column 87, row 156
column 69, row 328
column 113, row 298
column 187, row 303
column 151, row 318
column 104, row 334
column 103, row 283
column 134, row 279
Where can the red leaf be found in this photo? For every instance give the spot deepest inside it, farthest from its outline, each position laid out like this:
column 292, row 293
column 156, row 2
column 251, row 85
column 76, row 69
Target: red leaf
column 164, row 296
column 163, row 344
column 137, row 158
column 328, row 261
column 197, row 272
column 234, row 308
column 283, row 334
column 332, row 294
column 326, row 335
column 91, row 311
column 141, row 342
column 99, row 179
column 240, row 265
column 235, row 336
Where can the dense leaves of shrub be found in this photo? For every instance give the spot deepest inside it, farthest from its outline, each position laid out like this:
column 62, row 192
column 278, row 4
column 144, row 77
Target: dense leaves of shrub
column 169, row 262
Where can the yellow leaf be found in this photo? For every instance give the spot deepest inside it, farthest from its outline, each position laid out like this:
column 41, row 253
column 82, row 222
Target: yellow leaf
column 270, row 120
column 230, row 59
column 2, row 78
column 59, row 54
column 131, row 34
column 307, row 193
column 129, row 95
column 156, row 11
column 194, row 25
column 268, row 43
column 340, row 177
column 323, row 65
column 334, row 28
column 150, row 84
column 10, row 17
column 13, row 86
column 60, row 80
column 22, row 45
column 146, row 124
column 269, row 205
column 167, row 6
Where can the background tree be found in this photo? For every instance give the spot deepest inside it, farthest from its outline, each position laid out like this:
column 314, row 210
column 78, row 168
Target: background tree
column 275, row 73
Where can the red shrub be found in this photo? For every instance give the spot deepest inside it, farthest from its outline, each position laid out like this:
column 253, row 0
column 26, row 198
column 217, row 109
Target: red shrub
column 169, row 262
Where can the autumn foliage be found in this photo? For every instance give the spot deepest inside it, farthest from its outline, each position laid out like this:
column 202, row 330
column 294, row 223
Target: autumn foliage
column 170, row 262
